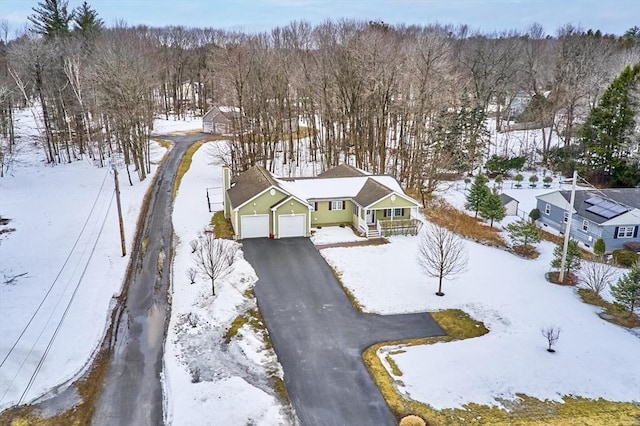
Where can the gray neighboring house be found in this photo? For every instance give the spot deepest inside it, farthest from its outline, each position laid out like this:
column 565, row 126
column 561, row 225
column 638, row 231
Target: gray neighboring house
column 610, row 214
column 220, row 120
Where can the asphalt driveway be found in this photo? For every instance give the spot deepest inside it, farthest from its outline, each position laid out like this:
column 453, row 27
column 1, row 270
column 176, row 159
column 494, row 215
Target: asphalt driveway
column 319, row 337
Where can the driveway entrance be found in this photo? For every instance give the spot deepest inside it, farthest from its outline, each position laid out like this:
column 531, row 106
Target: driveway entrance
column 319, row 337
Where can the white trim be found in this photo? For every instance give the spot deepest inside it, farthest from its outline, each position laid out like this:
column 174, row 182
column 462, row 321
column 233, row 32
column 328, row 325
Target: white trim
column 405, row 197
column 623, row 235
column 547, row 209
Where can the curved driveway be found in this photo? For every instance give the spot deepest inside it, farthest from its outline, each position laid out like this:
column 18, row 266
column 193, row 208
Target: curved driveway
column 319, row 337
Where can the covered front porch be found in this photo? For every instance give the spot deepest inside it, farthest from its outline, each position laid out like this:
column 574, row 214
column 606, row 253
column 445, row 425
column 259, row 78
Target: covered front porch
column 385, row 222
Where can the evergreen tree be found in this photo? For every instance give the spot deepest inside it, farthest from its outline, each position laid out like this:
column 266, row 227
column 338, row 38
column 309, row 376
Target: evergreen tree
column 608, row 134
column 574, row 257
column 599, row 247
column 86, row 21
column 627, row 291
column 477, row 193
column 51, row 18
column 525, row 234
column 491, row 207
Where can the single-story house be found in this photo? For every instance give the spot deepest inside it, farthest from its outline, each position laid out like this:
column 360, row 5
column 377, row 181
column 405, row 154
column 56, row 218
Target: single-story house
column 610, row 214
column 510, row 204
column 221, row 120
column 262, row 205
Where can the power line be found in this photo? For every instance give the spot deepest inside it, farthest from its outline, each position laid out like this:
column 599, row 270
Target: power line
column 58, row 275
column 66, row 311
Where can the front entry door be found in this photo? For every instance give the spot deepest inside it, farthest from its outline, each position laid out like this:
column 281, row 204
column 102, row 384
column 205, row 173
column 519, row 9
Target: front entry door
column 371, row 217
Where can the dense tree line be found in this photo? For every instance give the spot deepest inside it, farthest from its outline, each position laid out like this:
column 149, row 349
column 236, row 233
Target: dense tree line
column 411, row 101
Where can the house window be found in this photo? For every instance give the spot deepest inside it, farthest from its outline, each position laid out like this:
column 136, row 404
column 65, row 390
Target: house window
column 566, row 217
column 626, row 231
column 547, row 209
column 356, row 210
column 396, row 212
column 315, row 206
column 336, row 205
column 585, row 225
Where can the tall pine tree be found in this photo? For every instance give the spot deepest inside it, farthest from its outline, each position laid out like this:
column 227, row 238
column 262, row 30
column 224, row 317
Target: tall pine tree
column 51, row 18
column 608, row 134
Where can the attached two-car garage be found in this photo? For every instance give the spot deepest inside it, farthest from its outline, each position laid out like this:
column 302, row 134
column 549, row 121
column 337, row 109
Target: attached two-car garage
column 289, row 225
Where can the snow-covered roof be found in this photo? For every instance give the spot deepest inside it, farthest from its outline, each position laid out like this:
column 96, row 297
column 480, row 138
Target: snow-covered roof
column 331, row 188
column 226, row 109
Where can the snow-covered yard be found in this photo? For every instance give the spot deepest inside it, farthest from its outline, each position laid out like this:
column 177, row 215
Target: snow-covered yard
column 594, row 358
column 234, row 387
column 62, row 266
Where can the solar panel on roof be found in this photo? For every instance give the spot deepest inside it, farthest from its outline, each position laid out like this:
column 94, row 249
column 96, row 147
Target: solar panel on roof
column 608, row 214
column 596, row 209
column 594, row 200
column 619, row 209
column 607, row 204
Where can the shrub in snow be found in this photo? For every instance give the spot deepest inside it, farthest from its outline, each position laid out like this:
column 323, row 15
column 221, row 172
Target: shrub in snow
column 195, row 375
column 552, row 334
column 624, row 257
column 534, row 215
column 412, row 420
column 192, row 273
column 597, row 276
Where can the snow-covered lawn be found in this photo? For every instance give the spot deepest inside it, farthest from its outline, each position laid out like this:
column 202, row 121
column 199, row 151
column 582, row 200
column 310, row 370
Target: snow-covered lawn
column 334, row 234
column 234, row 386
column 61, row 267
column 511, row 296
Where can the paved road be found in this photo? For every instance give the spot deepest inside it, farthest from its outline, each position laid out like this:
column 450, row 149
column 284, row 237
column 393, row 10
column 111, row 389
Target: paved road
column 132, row 392
column 319, row 337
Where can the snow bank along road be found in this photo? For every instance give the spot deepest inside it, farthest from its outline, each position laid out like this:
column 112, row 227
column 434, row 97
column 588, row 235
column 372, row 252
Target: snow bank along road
column 132, row 392
column 319, row 337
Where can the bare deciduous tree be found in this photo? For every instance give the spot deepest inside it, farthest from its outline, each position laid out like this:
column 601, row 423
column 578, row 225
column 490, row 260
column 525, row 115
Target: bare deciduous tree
column 192, row 273
column 194, row 245
column 597, row 276
column 441, row 254
column 214, row 256
column 552, row 334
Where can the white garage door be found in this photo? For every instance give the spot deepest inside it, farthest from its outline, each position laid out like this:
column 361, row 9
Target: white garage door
column 254, row 226
column 292, row 225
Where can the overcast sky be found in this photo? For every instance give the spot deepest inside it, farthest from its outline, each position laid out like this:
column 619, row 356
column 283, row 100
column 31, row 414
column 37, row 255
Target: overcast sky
column 610, row 16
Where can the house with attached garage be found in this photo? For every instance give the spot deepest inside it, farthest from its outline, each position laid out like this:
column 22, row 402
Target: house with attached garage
column 260, row 205
column 610, row 214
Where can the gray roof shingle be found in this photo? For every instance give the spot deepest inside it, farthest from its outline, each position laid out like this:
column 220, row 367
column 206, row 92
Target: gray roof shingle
column 343, row 170
column 249, row 184
column 371, row 192
column 629, row 197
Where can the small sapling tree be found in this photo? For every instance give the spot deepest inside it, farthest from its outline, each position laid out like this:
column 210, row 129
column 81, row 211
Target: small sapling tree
column 533, row 180
column 518, row 178
column 552, row 334
column 441, row 254
column 491, row 207
column 574, row 257
column 524, row 236
column 192, row 273
column 626, row 292
column 597, row 276
column 534, row 215
column 214, row 256
column 477, row 193
column 194, row 245
column 599, row 248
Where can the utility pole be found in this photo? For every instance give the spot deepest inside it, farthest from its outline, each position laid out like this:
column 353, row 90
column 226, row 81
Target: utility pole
column 115, row 179
column 567, row 230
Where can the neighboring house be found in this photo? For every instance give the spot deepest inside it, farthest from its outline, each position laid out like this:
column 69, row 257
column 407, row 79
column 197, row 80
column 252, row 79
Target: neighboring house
column 221, row 120
column 610, row 214
column 510, row 204
column 261, row 205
